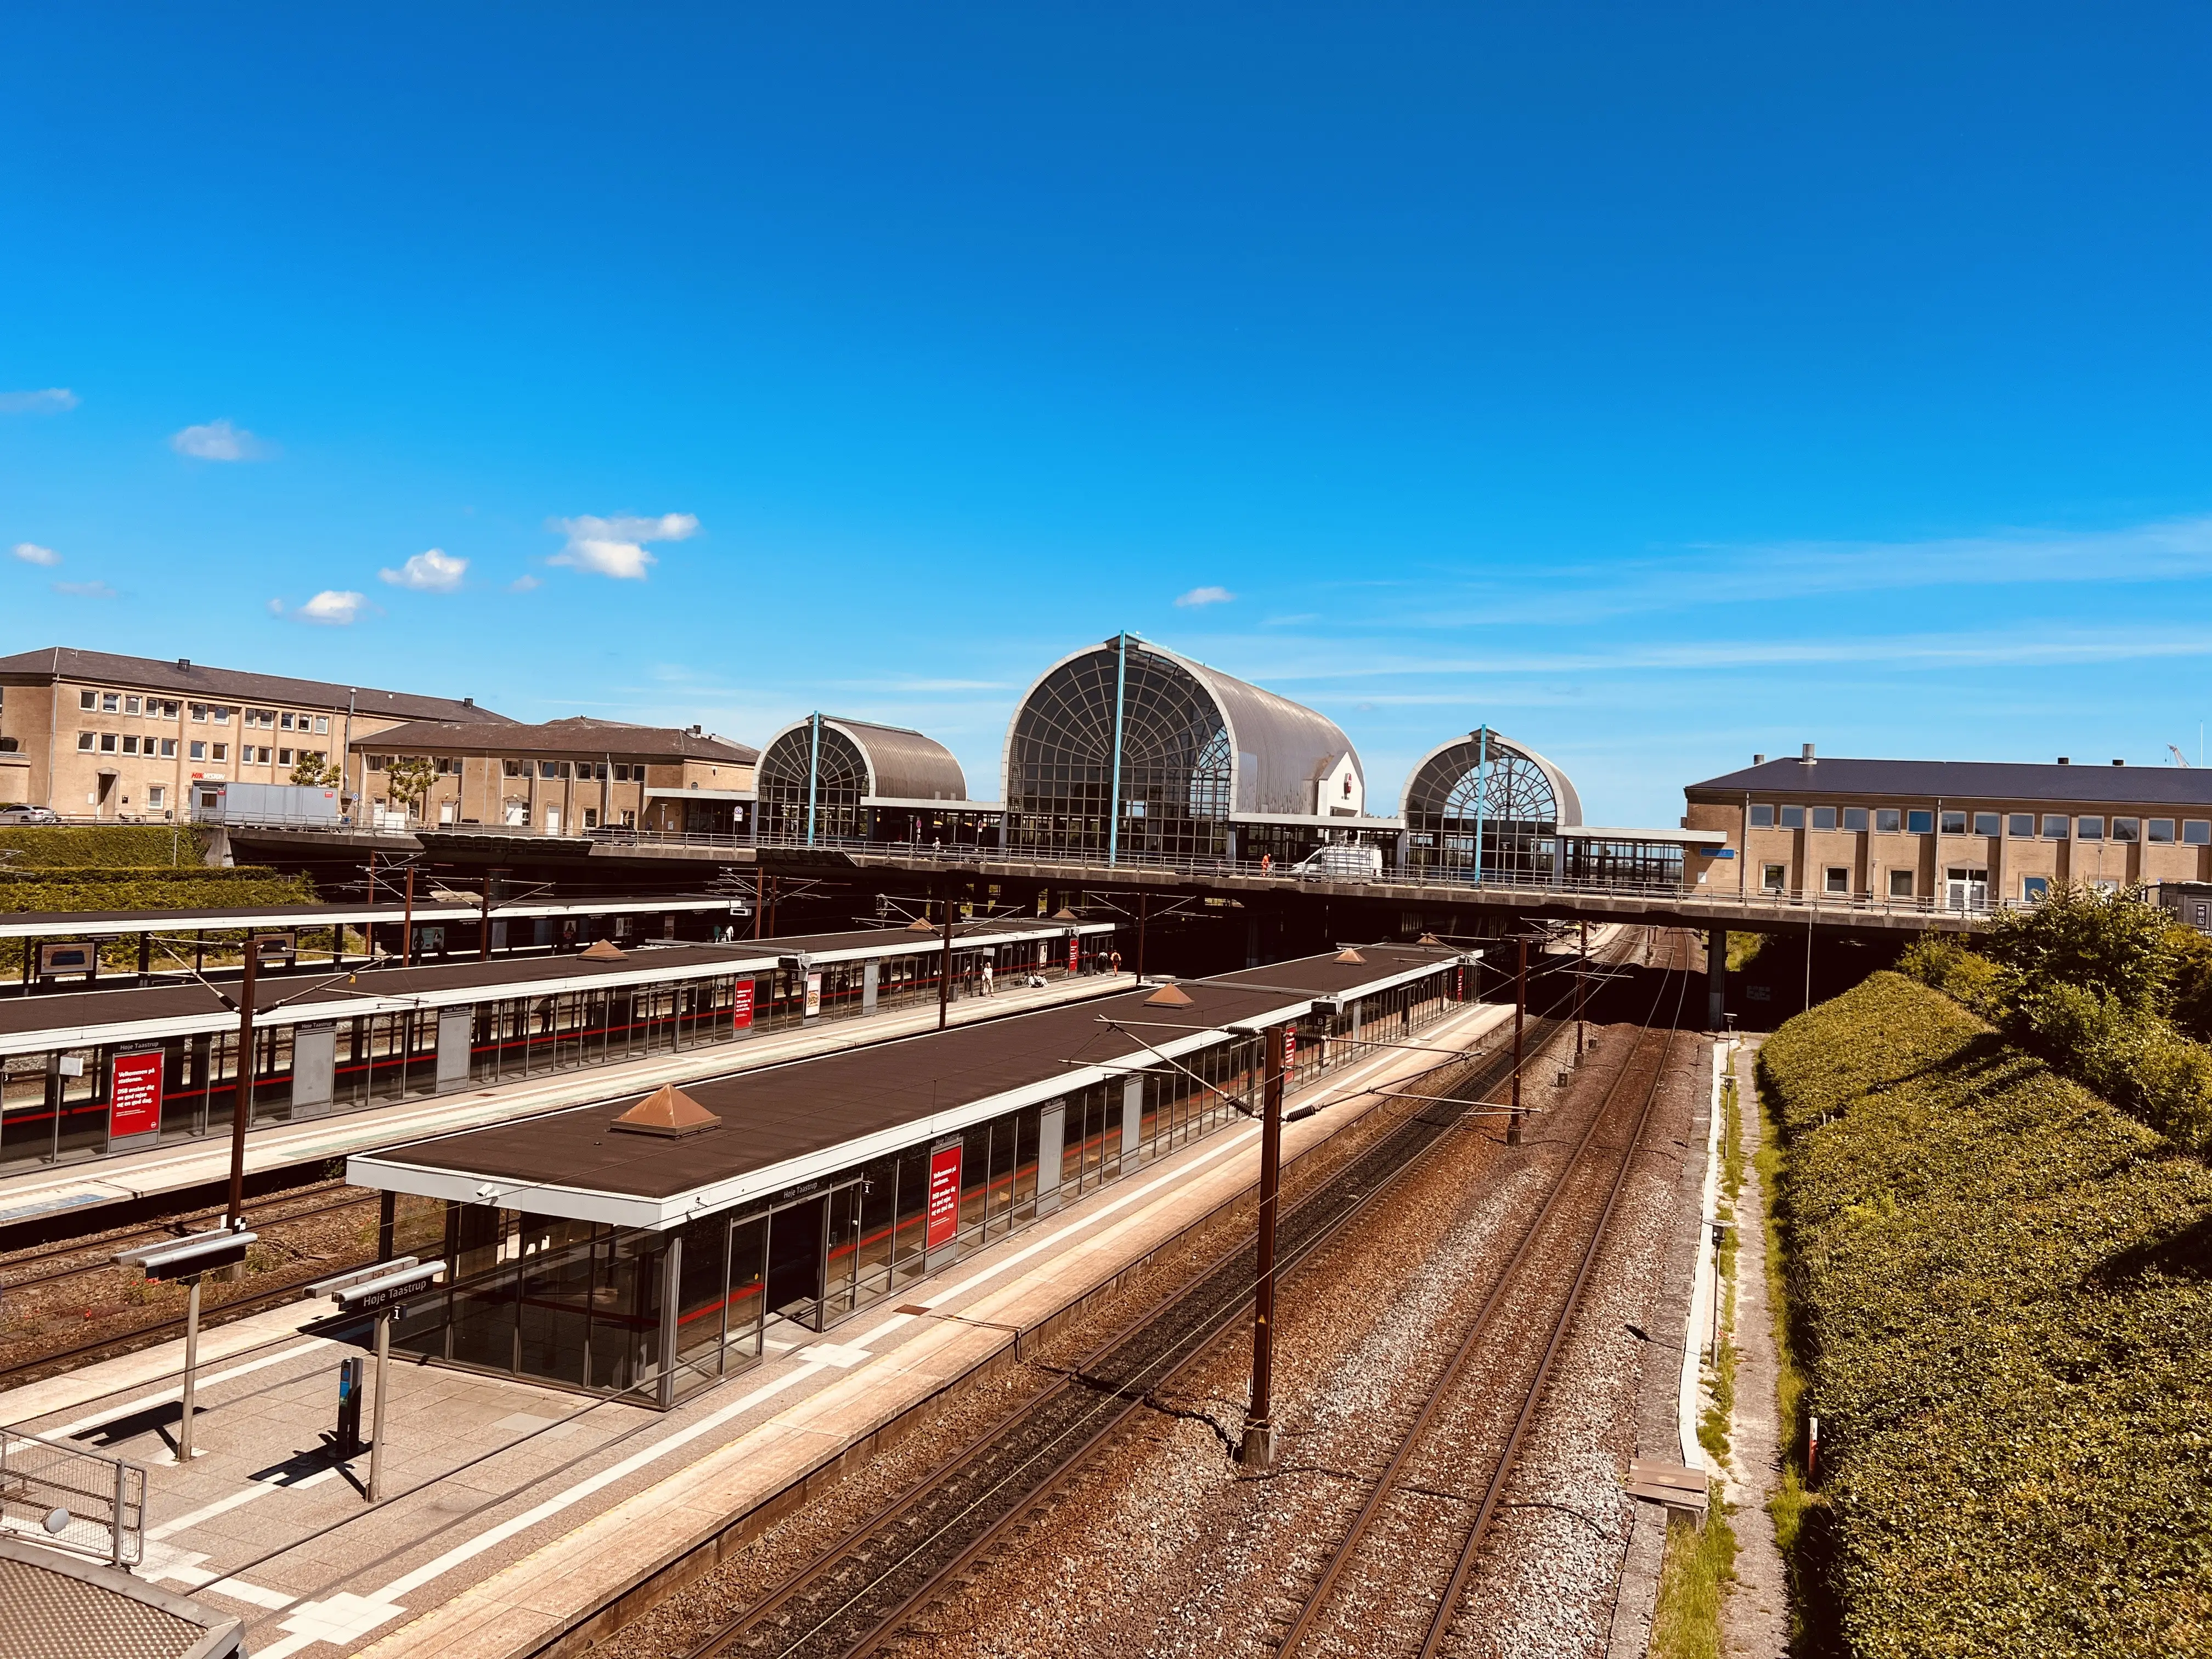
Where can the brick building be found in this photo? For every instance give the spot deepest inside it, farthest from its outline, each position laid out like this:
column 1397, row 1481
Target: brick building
column 564, row 777
column 1956, row 833
column 93, row 735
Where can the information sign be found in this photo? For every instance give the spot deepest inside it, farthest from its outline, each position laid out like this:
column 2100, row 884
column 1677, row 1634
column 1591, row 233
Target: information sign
column 1289, row 1048
column 741, row 1005
column 1074, row 951
column 813, row 995
column 943, row 1196
column 134, row 1100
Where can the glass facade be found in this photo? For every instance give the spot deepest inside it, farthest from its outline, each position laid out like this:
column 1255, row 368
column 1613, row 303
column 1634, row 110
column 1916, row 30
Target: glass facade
column 1177, row 764
column 1483, row 789
column 781, row 778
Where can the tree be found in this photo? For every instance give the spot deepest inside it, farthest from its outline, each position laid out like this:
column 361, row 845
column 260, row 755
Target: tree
column 316, row 770
column 2111, row 944
column 410, row 778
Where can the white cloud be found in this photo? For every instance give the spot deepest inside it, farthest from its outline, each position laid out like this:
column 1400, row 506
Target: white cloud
column 431, row 571
column 85, row 590
column 32, row 553
column 331, row 608
column 51, row 401
column 219, row 441
column 616, row 547
column 1207, row 596
column 522, row 584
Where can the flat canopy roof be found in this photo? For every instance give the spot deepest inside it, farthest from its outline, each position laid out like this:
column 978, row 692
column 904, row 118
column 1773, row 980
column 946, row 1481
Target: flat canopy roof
column 785, row 1125
column 115, row 924
column 84, row 1019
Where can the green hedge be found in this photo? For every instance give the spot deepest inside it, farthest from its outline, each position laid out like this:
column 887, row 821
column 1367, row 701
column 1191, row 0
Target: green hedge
column 2001, row 1285
column 100, row 846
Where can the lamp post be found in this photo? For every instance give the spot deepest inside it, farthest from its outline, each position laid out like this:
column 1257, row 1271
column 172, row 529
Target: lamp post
column 1520, row 1012
column 242, row 1111
column 1258, row 1448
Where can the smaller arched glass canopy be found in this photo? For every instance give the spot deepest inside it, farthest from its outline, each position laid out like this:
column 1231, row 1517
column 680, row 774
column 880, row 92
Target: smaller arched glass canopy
column 1483, row 802
column 826, row 779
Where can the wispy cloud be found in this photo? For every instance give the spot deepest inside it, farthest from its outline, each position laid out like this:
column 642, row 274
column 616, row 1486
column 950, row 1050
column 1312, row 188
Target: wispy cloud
column 53, row 400
column 85, row 590
column 522, row 584
column 32, row 553
column 1197, row 596
column 331, row 608
column 219, row 441
column 431, row 571
column 616, row 547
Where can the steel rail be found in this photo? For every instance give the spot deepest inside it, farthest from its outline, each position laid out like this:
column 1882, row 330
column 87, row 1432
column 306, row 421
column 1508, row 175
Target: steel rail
column 1441, row 1392
column 1407, row 1145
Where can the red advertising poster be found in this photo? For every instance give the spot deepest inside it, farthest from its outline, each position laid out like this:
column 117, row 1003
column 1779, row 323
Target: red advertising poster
column 1074, row 951
column 741, row 1005
column 134, row 1104
column 1289, row 1048
column 943, row 1196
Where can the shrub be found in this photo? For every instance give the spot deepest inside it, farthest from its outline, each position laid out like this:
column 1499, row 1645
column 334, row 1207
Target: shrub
column 2004, row 1292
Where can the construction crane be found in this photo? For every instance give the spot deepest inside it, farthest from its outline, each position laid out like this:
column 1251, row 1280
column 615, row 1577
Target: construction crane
column 2180, row 759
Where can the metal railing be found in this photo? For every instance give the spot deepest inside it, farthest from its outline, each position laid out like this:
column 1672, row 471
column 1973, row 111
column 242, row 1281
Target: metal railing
column 83, row 1501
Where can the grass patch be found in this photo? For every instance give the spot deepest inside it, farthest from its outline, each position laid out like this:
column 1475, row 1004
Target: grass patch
column 1694, row 1577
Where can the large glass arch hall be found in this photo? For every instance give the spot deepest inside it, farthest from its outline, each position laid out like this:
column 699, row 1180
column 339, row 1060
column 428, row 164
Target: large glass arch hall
column 1484, row 807
column 828, row 779
column 1124, row 750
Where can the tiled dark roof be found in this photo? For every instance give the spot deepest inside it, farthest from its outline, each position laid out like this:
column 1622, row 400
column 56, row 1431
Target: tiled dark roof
column 578, row 735
column 189, row 678
column 1966, row 781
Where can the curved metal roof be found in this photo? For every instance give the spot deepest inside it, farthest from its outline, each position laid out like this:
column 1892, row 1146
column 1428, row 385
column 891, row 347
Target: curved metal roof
column 902, row 764
column 1281, row 747
column 1500, row 746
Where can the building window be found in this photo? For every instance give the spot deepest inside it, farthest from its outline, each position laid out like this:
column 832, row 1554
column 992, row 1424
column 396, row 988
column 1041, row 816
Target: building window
column 2088, row 829
column 1771, row 876
column 2020, row 826
column 107, row 743
column 1920, row 824
column 2162, row 829
column 221, row 714
column 1838, row 879
column 545, row 769
column 157, row 795
column 1900, row 883
column 602, row 771
column 84, row 740
column 591, row 817
column 131, row 706
column 1855, row 817
column 284, row 757
column 1823, row 818
column 88, row 699
column 110, row 702
column 1954, row 823
column 628, row 819
column 284, row 720
column 222, row 751
column 168, row 748
column 1793, row 817
column 168, row 710
column 623, row 770
column 512, row 768
column 322, row 723
column 198, row 711
column 198, row 751
column 1887, row 820
column 130, row 744
column 2127, row 828
column 1988, row 824
column 2035, row 889
column 2196, row 832
column 2054, row 826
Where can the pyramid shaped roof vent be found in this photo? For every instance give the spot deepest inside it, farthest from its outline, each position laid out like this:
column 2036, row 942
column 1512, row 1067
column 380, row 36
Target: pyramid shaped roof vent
column 667, row 1111
column 1169, row 996
column 921, row 925
column 604, row 950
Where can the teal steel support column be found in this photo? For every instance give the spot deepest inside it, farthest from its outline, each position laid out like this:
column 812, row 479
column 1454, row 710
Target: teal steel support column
column 813, row 775
column 1114, row 808
column 1481, row 785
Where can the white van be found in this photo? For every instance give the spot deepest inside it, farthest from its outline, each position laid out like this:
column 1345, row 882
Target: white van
column 1340, row 862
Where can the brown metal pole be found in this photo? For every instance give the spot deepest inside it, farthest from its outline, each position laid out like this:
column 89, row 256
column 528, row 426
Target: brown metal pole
column 1258, row 1449
column 483, row 923
column 1582, row 971
column 1143, row 904
column 944, row 963
column 760, row 897
column 407, row 924
column 1520, row 1011
column 242, row 1111
column 386, row 1223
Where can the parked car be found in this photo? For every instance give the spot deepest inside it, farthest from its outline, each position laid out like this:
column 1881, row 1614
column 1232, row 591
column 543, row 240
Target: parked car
column 15, row 815
column 1340, row 863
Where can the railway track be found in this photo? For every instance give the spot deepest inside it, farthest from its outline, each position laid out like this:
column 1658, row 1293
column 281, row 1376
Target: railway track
column 858, row 1593
column 1478, row 1411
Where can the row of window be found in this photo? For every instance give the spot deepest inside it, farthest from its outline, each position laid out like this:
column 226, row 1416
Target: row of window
column 551, row 771
column 1965, row 886
column 129, row 743
column 2019, row 826
column 165, row 708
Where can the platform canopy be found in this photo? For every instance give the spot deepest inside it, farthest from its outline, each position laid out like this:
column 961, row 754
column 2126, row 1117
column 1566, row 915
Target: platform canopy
column 1125, row 746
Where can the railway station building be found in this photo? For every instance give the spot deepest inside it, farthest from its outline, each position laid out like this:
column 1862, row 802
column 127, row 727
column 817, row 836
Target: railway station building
column 1955, row 834
column 89, row 1074
column 828, row 779
column 649, row 1249
column 1125, row 748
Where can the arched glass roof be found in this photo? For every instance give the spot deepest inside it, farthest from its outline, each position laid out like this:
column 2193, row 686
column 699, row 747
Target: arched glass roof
column 861, row 760
column 1513, row 784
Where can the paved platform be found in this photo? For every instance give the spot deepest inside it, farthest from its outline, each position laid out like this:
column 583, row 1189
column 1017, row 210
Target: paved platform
column 516, row 1511
column 38, row 1192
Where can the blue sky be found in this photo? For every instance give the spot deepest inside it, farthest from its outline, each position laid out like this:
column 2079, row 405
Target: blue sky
column 1656, row 385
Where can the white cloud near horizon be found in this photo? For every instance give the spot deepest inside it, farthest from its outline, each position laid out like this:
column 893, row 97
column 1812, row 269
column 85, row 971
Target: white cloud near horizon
column 1199, row 595
column 616, row 547
column 218, row 440
column 32, row 553
column 331, row 608
column 433, row 570
column 53, row 400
